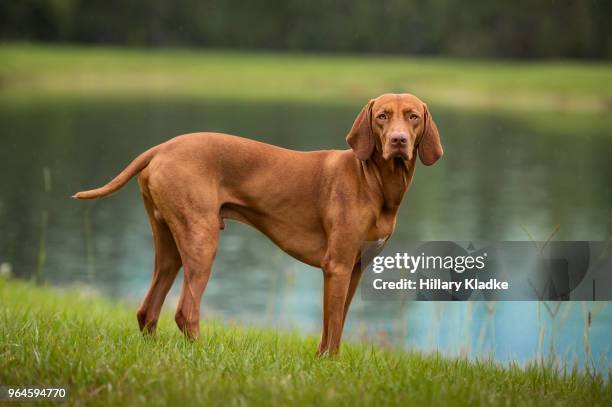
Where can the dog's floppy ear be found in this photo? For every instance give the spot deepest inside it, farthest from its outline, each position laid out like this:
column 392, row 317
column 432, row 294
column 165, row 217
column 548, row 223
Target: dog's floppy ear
column 361, row 137
column 430, row 148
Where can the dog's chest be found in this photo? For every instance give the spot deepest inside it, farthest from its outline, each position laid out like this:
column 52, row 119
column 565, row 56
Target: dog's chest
column 380, row 243
column 382, row 229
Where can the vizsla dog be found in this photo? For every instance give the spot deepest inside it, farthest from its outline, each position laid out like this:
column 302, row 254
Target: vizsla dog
column 317, row 206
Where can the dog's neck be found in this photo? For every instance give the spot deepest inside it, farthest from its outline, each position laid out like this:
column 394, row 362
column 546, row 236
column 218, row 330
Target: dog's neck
column 389, row 179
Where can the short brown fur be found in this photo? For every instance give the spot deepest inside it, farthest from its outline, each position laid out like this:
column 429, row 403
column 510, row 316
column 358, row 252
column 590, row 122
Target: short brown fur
column 316, row 206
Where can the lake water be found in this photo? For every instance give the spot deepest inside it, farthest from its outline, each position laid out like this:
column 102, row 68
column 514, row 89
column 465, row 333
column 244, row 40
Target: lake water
column 503, row 177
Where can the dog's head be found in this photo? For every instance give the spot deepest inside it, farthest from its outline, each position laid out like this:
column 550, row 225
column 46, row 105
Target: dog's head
column 395, row 125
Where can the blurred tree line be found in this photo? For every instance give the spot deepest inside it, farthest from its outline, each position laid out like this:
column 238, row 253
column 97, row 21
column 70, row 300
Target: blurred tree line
column 478, row 28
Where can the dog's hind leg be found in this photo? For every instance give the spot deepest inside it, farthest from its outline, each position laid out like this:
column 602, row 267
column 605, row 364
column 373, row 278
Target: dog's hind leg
column 198, row 245
column 167, row 264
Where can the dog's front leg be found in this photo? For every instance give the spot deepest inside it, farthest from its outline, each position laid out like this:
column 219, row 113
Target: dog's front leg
column 337, row 277
column 354, row 283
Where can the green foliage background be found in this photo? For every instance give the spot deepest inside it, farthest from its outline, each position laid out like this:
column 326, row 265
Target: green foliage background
column 480, row 28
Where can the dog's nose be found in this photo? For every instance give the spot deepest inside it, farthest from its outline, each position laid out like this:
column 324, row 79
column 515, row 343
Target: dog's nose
column 398, row 139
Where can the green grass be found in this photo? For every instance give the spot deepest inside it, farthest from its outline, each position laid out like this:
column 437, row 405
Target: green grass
column 37, row 70
column 93, row 347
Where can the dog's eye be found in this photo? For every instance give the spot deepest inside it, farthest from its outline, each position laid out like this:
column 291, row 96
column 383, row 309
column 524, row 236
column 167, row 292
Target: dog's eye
column 382, row 116
column 413, row 116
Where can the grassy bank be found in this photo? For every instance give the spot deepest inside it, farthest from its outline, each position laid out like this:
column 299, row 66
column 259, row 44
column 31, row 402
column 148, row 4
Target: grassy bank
column 92, row 346
column 37, row 70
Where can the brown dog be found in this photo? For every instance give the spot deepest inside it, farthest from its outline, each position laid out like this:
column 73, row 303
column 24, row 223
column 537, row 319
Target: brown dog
column 317, row 206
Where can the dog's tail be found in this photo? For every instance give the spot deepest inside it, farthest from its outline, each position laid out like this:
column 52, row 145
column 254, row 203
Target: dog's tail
column 120, row 180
